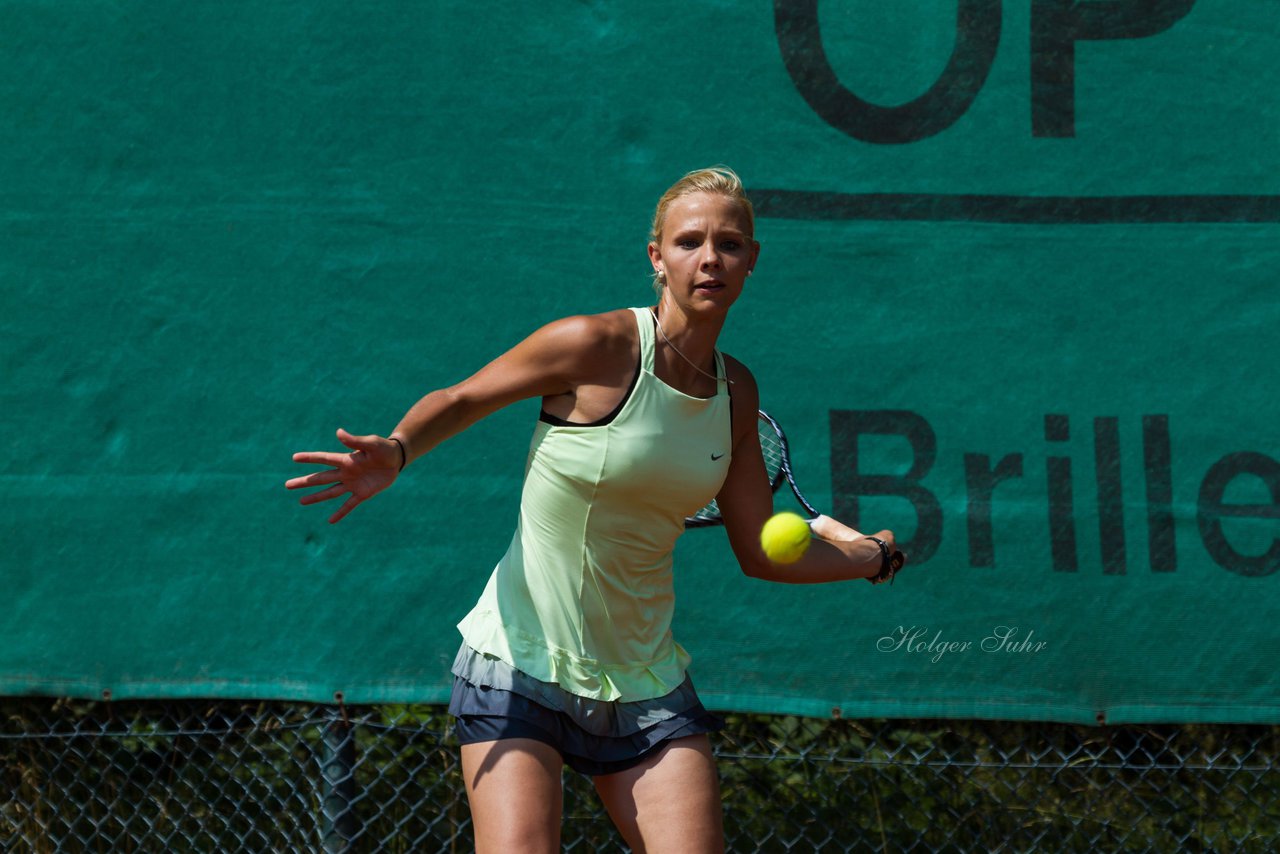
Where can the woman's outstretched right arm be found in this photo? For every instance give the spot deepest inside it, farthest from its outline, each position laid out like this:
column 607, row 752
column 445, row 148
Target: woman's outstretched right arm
column 554, row 360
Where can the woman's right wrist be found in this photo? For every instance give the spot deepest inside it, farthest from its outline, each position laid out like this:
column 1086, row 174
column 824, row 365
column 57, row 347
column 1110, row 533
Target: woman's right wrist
column 404, row 451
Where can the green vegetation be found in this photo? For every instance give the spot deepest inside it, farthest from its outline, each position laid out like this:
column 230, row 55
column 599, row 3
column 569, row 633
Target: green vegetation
column 225, row 776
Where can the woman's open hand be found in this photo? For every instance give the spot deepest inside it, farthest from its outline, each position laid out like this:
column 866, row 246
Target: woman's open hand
column 372, row 466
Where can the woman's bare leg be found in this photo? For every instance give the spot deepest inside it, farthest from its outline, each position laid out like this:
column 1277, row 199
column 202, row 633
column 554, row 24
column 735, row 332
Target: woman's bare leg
column 670, row 802
column 516, row 798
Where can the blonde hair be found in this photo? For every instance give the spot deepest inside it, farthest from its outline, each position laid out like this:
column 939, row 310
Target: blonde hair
column 717, row 180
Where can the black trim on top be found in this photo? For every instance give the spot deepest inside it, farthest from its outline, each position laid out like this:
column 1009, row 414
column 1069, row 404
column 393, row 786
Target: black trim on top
column 557, row 421
column 728, row 387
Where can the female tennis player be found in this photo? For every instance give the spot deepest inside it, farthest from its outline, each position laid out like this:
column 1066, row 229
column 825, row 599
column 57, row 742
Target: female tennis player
column 568, row 658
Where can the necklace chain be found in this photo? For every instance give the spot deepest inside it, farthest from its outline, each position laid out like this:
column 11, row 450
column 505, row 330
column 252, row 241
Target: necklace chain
column 682, row 355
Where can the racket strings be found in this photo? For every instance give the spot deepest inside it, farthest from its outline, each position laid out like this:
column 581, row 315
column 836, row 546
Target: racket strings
column 775, row 455
column 773, row 443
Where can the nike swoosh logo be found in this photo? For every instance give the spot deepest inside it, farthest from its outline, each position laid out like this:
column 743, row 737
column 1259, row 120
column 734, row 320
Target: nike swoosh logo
column 715, row 457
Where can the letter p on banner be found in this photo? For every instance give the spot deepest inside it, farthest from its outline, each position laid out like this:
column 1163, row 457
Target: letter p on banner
column 1056, row 26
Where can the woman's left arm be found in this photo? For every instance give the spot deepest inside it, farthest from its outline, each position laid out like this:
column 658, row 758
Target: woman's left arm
column 837, row 553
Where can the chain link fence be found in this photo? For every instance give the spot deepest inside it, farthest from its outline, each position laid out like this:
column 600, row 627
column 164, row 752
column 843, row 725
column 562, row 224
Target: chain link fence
column 280, row 777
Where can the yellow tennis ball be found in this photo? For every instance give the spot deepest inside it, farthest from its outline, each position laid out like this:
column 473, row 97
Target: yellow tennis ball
column 785, row 537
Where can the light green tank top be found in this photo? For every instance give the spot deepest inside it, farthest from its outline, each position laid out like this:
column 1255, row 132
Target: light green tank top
column 583, row 597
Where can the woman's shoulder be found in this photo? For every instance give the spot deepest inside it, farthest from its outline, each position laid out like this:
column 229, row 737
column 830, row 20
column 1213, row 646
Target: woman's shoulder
column 592, row 331
column 745, row 394
column 739, row 375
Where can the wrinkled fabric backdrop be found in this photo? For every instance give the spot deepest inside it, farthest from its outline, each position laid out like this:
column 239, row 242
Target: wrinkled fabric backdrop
column 1017, row 301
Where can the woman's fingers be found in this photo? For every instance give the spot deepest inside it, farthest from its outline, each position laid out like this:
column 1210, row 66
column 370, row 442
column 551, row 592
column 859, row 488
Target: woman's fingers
column 826, row 528
column 887, row 536
column 325, row 494
column 322, row 458
column 366, row 470
column 359, row 443
column 346, row 508
column 319, row 478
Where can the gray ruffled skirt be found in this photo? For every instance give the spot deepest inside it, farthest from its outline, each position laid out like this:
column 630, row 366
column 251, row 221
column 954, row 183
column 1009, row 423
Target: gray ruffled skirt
column 493, row 701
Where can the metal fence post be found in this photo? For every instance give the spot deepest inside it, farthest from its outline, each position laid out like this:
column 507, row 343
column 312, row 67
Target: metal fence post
column 339, row 825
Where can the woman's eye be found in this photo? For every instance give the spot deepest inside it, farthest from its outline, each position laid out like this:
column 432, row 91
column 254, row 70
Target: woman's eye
column 730, row 245
column 687, row 244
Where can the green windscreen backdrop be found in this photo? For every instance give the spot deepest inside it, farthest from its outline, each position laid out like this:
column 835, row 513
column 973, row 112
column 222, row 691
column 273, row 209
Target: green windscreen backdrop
column 1017, row 301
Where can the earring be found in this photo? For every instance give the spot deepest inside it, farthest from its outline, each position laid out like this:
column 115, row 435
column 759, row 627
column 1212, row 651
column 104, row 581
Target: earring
column 662, row 275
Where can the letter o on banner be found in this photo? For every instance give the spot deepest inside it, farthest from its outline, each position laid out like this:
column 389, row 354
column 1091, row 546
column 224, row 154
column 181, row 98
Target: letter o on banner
column 977, row 37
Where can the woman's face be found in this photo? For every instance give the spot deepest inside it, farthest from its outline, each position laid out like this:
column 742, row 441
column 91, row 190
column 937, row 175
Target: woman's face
column 705, row 251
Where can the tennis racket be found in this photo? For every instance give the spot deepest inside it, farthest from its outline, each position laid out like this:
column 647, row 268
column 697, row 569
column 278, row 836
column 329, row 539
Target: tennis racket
column 777, row 464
